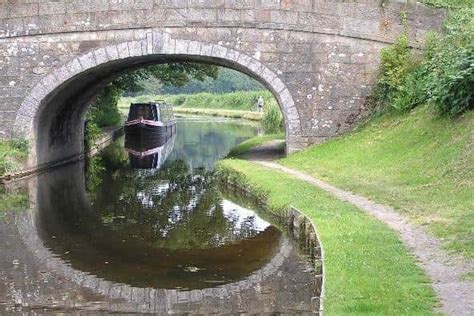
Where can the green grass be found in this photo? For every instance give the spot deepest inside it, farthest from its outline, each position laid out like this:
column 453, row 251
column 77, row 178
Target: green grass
column 240, row 105
column 449, row 3
column 247, row 115
column 12, row 200
column 420, row 164
column 367, row 268
column 242, row 100
column 13, row 154
column 245, row 146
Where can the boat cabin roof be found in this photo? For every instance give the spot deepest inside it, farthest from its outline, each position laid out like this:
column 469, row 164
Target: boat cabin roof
column 157, row 111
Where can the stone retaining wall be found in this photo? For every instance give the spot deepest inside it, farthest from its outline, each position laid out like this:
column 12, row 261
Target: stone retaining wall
column 300, row 228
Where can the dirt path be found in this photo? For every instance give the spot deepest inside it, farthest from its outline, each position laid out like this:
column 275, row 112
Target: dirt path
column 271, row 150
column 447, row 272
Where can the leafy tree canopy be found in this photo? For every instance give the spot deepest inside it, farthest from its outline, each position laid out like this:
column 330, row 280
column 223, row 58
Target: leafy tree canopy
column 173, row 74
column 104, row 111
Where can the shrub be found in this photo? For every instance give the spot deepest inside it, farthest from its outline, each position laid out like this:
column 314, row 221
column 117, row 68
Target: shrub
column 20, row 145
column 104, row 110
column 396, row 63
column 241, row 100
column 452, row 92
column 272, row 121
column 444, row 77
column 450, row 65
column 92, row 131
column 179, row 100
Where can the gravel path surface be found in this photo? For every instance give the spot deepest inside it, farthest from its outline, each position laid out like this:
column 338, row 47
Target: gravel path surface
column 447, row 271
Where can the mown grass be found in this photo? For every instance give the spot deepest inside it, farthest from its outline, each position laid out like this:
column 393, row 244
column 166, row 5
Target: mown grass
column 420, row 164
column 13, row 154
column 245, row 146
column 367, row 268
column 247, row 115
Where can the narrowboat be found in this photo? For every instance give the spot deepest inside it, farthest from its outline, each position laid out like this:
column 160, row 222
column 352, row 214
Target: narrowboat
column 153, row 120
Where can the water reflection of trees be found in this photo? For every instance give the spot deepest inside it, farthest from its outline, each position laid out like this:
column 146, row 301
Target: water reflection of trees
column 173, row 208
column 161, row 228
column 177, row 206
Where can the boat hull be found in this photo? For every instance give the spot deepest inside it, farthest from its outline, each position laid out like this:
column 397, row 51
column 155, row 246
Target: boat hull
column 144, row 132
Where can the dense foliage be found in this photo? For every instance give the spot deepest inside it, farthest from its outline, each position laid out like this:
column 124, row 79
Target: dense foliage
column 272, row 121
column 442, row 76
column 227, row 81
column 241, row 100
column 104, row 109
column 449, row 3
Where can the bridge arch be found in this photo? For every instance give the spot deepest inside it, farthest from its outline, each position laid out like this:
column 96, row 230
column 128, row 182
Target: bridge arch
column 52, row 115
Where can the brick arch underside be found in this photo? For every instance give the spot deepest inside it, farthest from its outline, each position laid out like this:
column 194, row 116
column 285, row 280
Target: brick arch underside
column 52, row 115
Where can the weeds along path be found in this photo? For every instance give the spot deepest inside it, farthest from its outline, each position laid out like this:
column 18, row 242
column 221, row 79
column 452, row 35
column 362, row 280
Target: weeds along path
column 447, row 272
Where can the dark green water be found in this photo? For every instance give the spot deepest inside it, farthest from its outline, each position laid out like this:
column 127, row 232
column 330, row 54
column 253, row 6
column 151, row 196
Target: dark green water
column 149, row 229
column 162, row 225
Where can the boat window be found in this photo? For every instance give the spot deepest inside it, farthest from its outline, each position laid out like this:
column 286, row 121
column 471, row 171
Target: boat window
column 156, row 111
column 145, row 111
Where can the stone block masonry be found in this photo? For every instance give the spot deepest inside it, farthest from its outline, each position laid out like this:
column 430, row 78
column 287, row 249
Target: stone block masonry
column 318, row 57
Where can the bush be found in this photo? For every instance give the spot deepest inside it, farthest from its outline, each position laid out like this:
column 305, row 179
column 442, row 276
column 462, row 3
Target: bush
column 444, row 77
column 104, row 111
column 452, row 92
column 396, row 63
column 92, row 131
column 179, row 100
column 450, row 65
column 272, row 121
column 241, row 100
column 21, row 145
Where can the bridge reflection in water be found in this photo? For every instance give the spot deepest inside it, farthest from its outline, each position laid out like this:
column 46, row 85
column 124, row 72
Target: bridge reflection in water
column 159, row 240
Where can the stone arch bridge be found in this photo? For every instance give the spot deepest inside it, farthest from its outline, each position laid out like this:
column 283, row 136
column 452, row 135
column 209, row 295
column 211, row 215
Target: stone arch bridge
column 318, row 57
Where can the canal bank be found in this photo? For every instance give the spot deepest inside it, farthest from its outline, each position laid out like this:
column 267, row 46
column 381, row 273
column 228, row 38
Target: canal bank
column 412, row 172
column 108, row 135
column 234, row 114
column 367, row 268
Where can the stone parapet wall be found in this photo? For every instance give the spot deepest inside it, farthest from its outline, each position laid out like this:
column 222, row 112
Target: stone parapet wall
column 362, row 19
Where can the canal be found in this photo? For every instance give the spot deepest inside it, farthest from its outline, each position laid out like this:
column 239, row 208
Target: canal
column 151, row 230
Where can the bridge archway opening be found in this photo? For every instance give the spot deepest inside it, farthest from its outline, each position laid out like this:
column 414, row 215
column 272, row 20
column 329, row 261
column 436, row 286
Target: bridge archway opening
column 52, row 117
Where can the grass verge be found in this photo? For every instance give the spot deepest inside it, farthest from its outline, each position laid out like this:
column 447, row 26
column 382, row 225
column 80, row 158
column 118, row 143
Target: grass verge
column 241, row 100
column 245, row 146
column 368, row 270
column 246, row 115
column 239, row 105
column 13, row 154
column 420, row 164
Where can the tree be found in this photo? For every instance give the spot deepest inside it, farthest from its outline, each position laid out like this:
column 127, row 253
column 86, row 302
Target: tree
column 104, row 111
column 228, row 80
